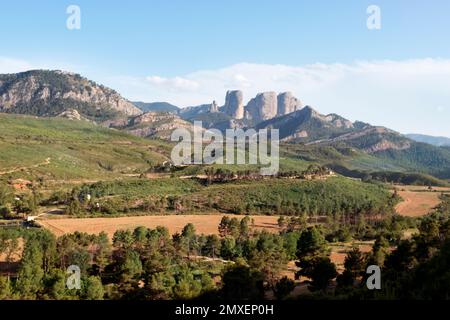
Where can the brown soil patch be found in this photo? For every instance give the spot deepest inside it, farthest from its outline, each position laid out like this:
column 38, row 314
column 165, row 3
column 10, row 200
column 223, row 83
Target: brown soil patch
column 206, row 224
column 416, row 204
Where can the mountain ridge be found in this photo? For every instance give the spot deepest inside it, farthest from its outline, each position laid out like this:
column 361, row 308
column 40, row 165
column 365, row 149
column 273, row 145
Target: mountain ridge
column 439, row 141
column 60, row 94
column 49, row 93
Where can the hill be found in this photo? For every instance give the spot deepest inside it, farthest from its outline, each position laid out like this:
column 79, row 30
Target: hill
column 156, row 107
column 436, row 141
column 376, row 148
column 61, row 149
column 306, row 125
column 153, row 125
column 50, row 93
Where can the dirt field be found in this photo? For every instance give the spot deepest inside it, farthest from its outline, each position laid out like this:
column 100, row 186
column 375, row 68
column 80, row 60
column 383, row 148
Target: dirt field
column 206, row 224
column 339, row 252
column 417, row 204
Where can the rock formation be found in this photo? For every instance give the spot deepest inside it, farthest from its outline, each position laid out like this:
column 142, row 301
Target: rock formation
column 234, row 106
column 214, row 107
column 50, row 93
column 262, row 107
column 287, row 103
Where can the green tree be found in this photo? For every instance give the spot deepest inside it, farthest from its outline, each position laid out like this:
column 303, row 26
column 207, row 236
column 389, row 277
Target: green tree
column 212, row 246
column 323, row 271
column 30, row 275
column 242, row 283
column 228, row 248
column 5, row 288
column 103, row 251
column 283, row 288
column 311, row 243
column 93, row 289
column 131, row 267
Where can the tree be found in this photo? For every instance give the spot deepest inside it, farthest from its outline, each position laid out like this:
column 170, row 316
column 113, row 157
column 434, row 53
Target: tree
column 224, row 226
column 311, row 248
column 5, row 288
column 80, row 257
column 56, row 285
column 160, row 285
column 354, row 262
column 102, row 254
column 242, row 283
column 187, row 287
column 30, row 275
column 93, row 289
column 379, row 251
column 188, row 239
column 131, row 267
column 311, row 243
column 74, row 207
column 354, row 265
column 140, row 235
column 227, row 248
column 212, row 246
column 269, row 264
column 283, row 288
column 244, row 227
column 323, row 271
column 123, row 239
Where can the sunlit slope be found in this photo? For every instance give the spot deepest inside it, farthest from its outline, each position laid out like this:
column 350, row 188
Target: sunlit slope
column 63, row 149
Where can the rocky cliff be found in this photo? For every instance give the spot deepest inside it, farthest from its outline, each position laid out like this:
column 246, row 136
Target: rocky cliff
column 287, row 103
column 262, row 107
column 234, row 104
column 50, row 93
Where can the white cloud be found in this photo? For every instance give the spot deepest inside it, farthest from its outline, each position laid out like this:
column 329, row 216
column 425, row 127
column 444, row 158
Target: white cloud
column 176, row 83
column 408, row 96
column 402, row 95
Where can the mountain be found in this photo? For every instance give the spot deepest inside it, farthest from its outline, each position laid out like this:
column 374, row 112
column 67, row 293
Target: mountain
column 307, row 125
column 50, row 93
column 156, row 107
column 265, row 106
column 436, row 141
column 327, row 139
column 152, row 125
column 381, row 147
column 58, row 148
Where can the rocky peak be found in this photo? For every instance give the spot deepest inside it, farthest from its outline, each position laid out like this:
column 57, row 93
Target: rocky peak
column 50, row 93
column 262, row 107
column 214, row 107
column 287, row 103
column 234, row 106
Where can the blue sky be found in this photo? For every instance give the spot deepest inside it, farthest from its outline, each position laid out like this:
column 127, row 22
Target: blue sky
column 191, row 52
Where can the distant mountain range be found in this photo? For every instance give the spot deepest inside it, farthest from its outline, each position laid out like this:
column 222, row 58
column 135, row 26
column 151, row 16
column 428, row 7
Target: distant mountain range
column 61, row 94
column 436, row 141
column 156, row 107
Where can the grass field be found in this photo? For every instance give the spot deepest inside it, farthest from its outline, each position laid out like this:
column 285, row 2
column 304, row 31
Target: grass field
column 62, row 149
column 206, row 224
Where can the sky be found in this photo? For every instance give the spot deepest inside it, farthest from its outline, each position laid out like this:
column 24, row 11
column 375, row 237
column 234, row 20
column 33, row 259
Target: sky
column 192, row 52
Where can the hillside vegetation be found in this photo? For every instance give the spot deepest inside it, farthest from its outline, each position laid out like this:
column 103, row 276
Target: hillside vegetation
column 56, row 148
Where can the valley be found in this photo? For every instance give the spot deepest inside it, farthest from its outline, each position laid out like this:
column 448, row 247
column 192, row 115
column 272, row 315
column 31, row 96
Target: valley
column 86, row 178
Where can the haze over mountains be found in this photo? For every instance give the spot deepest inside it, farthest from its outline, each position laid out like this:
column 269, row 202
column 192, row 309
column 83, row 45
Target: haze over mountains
column 436, row 141
column 61, row 94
